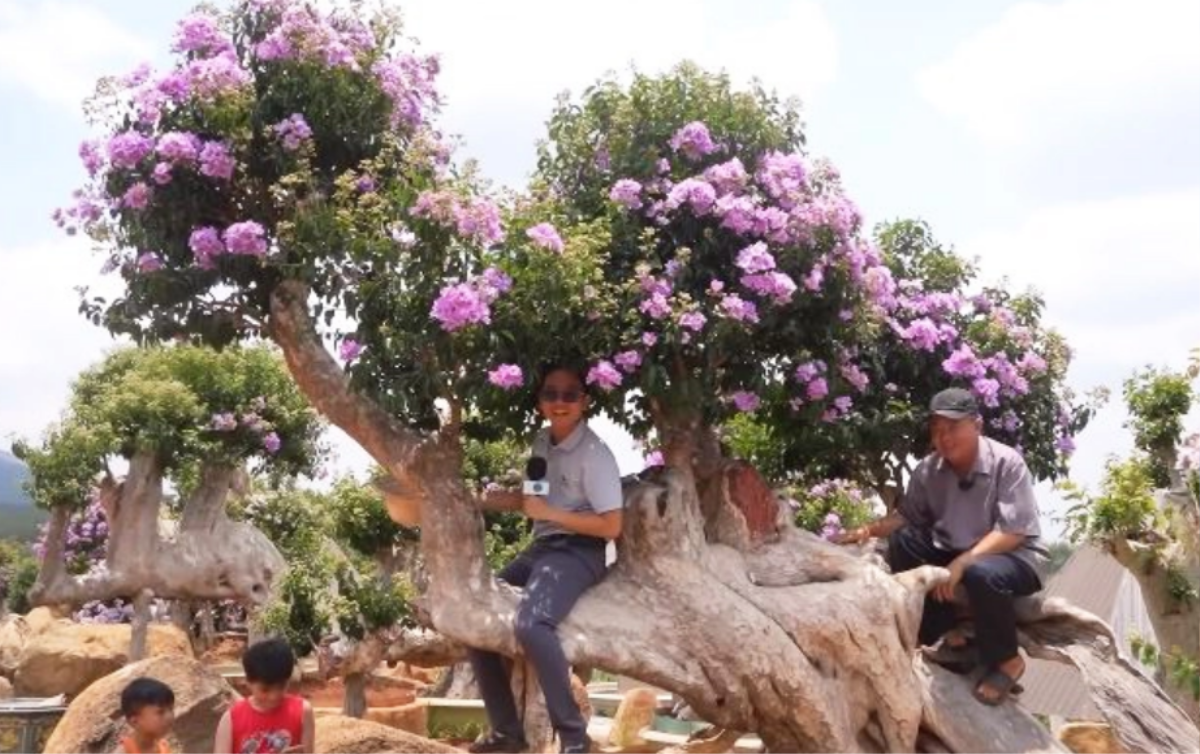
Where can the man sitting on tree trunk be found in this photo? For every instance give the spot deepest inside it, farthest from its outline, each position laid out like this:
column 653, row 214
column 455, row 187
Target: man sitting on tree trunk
column 970, row 508
column 573, row 521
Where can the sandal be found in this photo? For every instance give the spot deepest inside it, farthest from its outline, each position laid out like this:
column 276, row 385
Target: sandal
column 999, row 681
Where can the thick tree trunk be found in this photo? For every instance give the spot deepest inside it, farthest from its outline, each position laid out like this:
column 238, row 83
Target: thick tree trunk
column 790, row 637
column 354, row 698
column 211, row 558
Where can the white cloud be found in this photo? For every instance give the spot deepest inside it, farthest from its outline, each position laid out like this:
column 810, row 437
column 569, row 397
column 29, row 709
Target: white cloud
column 45, row 341
column 1060, row 66
column 1120, row 275
column 54, row 49
column 503, row 63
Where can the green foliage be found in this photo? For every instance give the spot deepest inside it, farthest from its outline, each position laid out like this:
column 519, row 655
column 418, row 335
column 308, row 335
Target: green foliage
column 827, row 508
column 367, row 603
column 758, row 442
column 1179, row 587
column 296, row 521
column 505, row 536
column 302, row 610
column 1125, row 506
column 360, row 520
column 18, row 572
column 1183, row 671
column 1158, row 401
column 167, row 401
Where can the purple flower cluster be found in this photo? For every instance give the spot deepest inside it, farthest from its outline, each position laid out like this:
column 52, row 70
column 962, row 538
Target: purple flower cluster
column 293, row 130
column 474, row 219
column 350, row 350
column 246, row 238
column 627, row 192
column 409, row 81
column 128, row 148
column 546, row 236
column 746, row 401
column 738, row 309
column 695, row 193
column 201, row 34
column 507, row 377
column 782, row 177
column 693, row 141
column 605, row 376
column 216, row 161
column 628, row 361
column 206, row 246
column 463, row 304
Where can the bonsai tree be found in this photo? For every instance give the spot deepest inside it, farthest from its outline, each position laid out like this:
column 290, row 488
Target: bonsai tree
column 1146, row 514
column 285, row 180
column 190, row 416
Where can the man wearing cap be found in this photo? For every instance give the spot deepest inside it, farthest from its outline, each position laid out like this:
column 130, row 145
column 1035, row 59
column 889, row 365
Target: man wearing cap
column 969, row 508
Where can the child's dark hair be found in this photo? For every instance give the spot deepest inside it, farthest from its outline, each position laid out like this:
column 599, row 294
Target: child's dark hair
column 270, row 662
column 551, row 367
column 145, row 692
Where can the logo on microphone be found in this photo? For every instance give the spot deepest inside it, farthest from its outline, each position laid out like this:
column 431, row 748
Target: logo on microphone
column 535, row 477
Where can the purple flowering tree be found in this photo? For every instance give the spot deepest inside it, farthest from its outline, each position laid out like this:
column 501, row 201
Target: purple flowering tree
column 862, row 414
column 196, row 418
column 677, row 242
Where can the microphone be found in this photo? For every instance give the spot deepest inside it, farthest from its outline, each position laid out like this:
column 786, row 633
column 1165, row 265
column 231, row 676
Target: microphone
column 966, row 484
column 535, row 477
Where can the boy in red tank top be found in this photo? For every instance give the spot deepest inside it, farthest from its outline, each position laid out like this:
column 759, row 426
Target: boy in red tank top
column 270, row 720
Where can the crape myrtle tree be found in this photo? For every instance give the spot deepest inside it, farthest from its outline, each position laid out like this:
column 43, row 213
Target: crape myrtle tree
column 943, row 331
column 284, row 178
column 191, row 417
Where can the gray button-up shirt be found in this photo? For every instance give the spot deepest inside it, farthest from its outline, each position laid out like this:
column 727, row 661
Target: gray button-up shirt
column 582, row 473
column 997, row 496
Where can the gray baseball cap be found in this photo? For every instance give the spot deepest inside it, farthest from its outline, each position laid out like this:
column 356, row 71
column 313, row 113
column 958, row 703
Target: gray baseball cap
column 954, row 403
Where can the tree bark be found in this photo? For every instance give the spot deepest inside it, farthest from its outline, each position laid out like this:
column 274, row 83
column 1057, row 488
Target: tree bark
column 795, row 639
column 141, row 625
column 354, row 698
column 211, row 557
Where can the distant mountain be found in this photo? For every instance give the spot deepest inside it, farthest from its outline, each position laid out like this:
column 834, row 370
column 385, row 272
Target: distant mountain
column 19, row 517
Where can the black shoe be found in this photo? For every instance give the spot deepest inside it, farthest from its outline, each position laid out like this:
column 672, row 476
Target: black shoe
column 583, row 747
column 498, row 743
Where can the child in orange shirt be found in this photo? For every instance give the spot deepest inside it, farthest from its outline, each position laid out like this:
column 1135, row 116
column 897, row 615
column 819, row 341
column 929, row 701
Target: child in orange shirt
column 149, row 707
column 270, row 721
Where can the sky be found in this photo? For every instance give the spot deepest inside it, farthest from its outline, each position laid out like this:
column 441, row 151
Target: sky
column 1057, row 142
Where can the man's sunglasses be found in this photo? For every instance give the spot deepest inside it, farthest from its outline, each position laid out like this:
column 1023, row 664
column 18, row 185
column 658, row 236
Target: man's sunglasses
column 550, row 395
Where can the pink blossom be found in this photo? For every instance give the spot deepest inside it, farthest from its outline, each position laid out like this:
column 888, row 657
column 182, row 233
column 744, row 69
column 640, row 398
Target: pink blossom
column 693, row 140
column 216, row 161
column 128, row 148
column 746, row 401
column 627, row 192
column 162, row 173
column 272, row 443
column 460, row 305
column 246, row 238
column 350, row 350
column 737, row 213
column 755, row 258
column 693, row 321
column 206, row 246
column 736, row 308
column 149, row 262
column 728, row 177
column 963, row 363
column 817, row 389
column 649, row 339
column 545, row 235
column 782, row 176
column 855, row 376
column 694, row 192
column 628, row 361
column 656, row 306
column 776, row 285
column 507, row 377
column 605, row 376
column 136, row 196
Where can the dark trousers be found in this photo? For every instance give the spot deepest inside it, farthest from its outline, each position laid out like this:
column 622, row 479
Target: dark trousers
column 555, row 571
column 991, row 583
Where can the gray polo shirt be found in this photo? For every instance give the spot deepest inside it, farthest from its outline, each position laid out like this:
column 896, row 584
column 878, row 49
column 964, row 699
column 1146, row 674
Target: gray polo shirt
column 582, row 473
column 998, row 496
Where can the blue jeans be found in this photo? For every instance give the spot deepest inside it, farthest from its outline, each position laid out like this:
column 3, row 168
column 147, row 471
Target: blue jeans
column 555, row 570
column 992, row 583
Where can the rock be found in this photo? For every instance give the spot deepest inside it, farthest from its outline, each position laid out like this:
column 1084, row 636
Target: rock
column 93, row 722
column 1090, row 738
column 635, row 712
column 66, row 657
column 346, row 735
column 14, row 634
column 41, row 618
column 413, row 718
column 5, row 688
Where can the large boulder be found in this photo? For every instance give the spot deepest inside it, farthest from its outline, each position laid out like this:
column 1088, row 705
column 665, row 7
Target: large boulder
column 93, row 721
column 14, row 635
column 346, row 735
column 66, row 657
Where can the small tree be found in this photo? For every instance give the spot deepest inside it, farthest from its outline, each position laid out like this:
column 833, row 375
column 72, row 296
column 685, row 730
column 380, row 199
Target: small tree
column 186, row 415
column 1147, row 515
